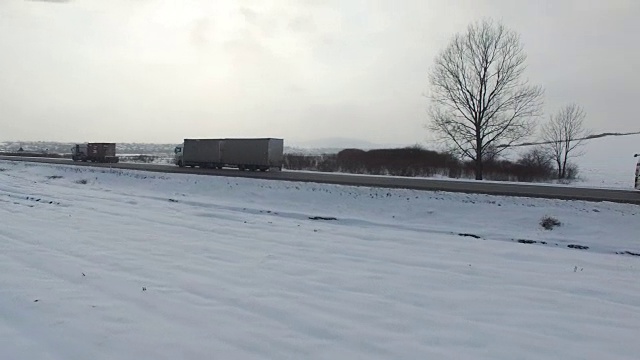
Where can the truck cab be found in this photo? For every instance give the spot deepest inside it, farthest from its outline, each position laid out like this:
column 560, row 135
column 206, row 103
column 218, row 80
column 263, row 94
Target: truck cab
column 177, row 157
column 79, row 152
column 637, row 182
column 95, row 152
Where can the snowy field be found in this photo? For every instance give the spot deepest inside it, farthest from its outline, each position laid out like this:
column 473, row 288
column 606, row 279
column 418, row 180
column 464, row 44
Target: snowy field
column 110, row 264
column 609, row 162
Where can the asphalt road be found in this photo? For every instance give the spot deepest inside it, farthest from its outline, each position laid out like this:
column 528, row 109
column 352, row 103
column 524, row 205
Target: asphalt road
column 478, row 187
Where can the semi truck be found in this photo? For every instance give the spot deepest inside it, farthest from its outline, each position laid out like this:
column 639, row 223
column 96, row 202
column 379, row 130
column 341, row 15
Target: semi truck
column 204, row 153
column 95, row 152
column 243, row 153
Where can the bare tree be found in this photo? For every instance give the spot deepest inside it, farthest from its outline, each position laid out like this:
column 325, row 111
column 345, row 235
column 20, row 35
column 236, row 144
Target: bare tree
column 563, row 135
column 479, row 100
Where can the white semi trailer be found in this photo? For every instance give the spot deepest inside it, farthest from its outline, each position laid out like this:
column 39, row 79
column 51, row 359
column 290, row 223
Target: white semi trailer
column 243, row 153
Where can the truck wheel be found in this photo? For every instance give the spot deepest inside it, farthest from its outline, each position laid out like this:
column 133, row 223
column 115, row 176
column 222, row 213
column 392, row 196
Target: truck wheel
column 180, row 164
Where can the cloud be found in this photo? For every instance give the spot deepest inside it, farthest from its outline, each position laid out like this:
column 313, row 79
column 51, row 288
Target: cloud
column 51, row 1
column 302, row 24
column 250, row 16
column 201, row 27
column 300, row 69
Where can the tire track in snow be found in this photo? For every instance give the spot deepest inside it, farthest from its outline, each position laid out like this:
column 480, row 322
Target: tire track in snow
column 257, row 310
column 115, row 289
column 364, row 223
column 231, row 300
column 560, row 243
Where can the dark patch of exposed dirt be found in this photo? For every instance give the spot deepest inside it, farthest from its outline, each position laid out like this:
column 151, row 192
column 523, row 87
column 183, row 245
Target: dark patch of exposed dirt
column 322, row 218
column 525, row 241
column 579, row 247
column 470, row 235
column 627, row 253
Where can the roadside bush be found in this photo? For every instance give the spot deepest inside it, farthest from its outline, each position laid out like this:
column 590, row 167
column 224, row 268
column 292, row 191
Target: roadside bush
column 410, row 161
column 325, row 163
column 532, row 166
column 536, row 165
column 549, row 223
column 328, row 163
column 572, row 171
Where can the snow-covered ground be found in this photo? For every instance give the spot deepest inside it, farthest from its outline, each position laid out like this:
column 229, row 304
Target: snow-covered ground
column 110, row 264
column 609, row 162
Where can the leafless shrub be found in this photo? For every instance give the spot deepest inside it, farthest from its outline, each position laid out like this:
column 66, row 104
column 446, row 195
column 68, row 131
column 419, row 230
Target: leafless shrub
column 535, row 165
column 146, row 159
column 415, row 161
column 323, row 162
column 410, row 161
column 549, row 223
column 571, row 171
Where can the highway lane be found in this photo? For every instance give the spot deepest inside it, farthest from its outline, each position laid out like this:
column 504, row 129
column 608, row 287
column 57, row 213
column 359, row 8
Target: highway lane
column 479, row 187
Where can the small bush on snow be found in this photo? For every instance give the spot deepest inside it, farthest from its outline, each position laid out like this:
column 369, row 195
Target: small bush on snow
column 548, row 222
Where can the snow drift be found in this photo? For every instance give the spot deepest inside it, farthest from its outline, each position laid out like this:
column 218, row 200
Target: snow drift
column 113, row 264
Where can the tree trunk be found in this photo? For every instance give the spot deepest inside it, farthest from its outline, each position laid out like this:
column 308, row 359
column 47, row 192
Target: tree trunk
column 479, row 155
column 479, row 169
column 478, row 165
column 564, row 168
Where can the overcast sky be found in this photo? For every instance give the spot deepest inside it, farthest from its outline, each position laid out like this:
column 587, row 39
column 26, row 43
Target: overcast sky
column 163, row 70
